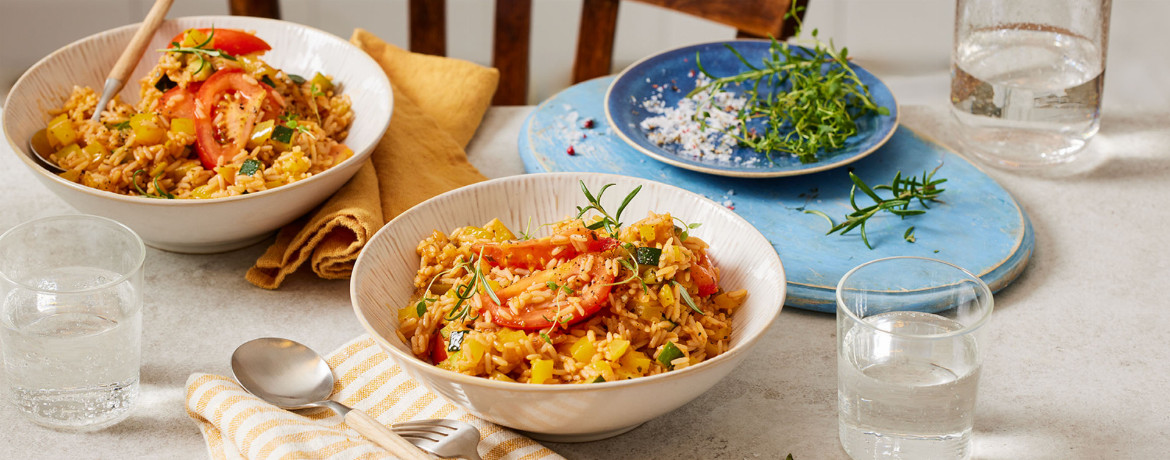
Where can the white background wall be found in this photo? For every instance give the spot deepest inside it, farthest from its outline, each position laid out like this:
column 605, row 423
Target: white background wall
column 896, row 39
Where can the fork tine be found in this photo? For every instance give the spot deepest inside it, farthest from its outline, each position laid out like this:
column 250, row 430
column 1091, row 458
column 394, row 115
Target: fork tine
column 433, row 423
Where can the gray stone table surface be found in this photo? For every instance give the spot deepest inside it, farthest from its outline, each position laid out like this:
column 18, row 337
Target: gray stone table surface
column 1078, row 365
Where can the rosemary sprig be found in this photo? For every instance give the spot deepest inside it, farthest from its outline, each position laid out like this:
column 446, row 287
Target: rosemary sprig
column 905, row 191
column 200, row 51
column 808, row 101
column 611, row 223
column 159, row 192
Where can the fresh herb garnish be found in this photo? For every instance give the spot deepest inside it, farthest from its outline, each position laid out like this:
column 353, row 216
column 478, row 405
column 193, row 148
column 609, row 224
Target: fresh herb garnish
column 119, row 125
column 669, row 353
column 611, row 223
column 290, row 120
column 546, row 338
column 200, row 51
column 296, row 78
column 810, row 101
column 420, row 308
column 160, row 193
column 634, row 274
column 684, row 231
column 686, row 297
column 904, row 190
column 267, row 81
column 599, row 379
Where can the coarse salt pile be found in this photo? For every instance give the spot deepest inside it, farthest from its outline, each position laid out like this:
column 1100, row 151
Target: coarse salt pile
column 680, row 125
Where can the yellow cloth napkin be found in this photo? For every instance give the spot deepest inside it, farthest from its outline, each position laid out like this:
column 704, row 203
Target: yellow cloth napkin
column 236, row 424
column 438, row 104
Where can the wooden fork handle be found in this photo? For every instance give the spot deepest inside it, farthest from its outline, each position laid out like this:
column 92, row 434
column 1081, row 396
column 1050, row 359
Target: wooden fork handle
column 383, row 436
column 137, row 45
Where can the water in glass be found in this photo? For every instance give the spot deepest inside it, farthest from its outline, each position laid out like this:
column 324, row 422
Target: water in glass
column 907, row 399
column 1027, row 94
column 72, row 361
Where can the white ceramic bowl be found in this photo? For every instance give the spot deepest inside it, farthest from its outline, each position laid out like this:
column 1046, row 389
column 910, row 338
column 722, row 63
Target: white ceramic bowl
column 383, row 282
column 202, row 226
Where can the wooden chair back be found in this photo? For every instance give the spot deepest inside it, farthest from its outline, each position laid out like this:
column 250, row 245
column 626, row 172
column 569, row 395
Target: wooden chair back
column 595, row 36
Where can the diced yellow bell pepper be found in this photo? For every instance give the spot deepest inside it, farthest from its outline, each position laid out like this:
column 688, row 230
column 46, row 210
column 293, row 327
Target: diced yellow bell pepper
column 505, row 336
column 647, row 309
column 542, row 370
column 147, row 129
column 68, row 153
column 666, row 296
column 202, row 191
column 497, row 375
column 60, row 131
column 158, row 169
column 185, row 126
column 616, row 348
column 95, row 152
column 730, row 300
column 261, row 133
column 499, row 231
column 192, row 38
column 71, row 175
column 635, row 363
column 604, row 370
column 582, row 350
column 646, row 232
column 406, row 313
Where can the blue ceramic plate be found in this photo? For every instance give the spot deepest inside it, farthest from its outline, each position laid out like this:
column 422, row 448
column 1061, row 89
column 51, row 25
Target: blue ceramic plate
column 676, row 69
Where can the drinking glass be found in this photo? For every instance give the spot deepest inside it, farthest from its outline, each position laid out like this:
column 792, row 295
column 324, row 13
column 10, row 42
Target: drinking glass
column 71, row 320
column 1027, row 76
column 909, row 353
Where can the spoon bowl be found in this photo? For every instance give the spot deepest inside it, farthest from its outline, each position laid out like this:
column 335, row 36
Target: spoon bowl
column 292, row 376
column 39, row 144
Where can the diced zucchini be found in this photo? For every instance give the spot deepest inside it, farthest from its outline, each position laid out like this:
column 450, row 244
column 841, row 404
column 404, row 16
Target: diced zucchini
column 250, row 167
column 645, row 255
column 670, row 352
column 282, row 134
column 322, row 83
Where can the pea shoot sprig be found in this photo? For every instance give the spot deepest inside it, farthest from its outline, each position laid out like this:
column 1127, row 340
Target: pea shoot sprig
column 905, row 191
column 201, row 51
column 809, row 100
column 159, row 192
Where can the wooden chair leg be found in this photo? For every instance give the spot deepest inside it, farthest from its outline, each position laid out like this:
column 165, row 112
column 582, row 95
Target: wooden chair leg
column 513, row 29
column 428, row 26
column 258, row 8
column 595, row 38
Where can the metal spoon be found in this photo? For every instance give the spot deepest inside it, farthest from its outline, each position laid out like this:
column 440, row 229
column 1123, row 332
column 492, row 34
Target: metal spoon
column 293, row 376
column 39, row 143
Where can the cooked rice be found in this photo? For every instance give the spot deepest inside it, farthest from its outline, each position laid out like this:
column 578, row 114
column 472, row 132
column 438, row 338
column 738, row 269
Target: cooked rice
column 171, row 168
column 627, row 336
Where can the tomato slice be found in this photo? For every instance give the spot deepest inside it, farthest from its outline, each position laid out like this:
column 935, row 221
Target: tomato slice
column 535, row 254
column 594, row 296
column 438, row 348
column 231, row 41
column 703, row 274
column 179, row 102
column 219, row 85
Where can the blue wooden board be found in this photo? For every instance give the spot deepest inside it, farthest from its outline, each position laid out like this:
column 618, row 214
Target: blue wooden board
column 978, row 226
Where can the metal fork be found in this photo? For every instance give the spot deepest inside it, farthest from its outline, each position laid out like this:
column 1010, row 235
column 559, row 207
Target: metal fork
column 442, row 437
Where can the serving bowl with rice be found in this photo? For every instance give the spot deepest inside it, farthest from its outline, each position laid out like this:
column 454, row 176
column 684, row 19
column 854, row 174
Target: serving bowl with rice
column 569, row 362
column 224, row 140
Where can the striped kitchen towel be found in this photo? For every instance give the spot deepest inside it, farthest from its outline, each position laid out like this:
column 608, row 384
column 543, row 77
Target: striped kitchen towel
column 236, row 424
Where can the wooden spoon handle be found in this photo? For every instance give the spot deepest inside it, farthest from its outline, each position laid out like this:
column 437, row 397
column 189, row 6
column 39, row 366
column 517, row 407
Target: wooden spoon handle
column 137, row 45
column 383, row 436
